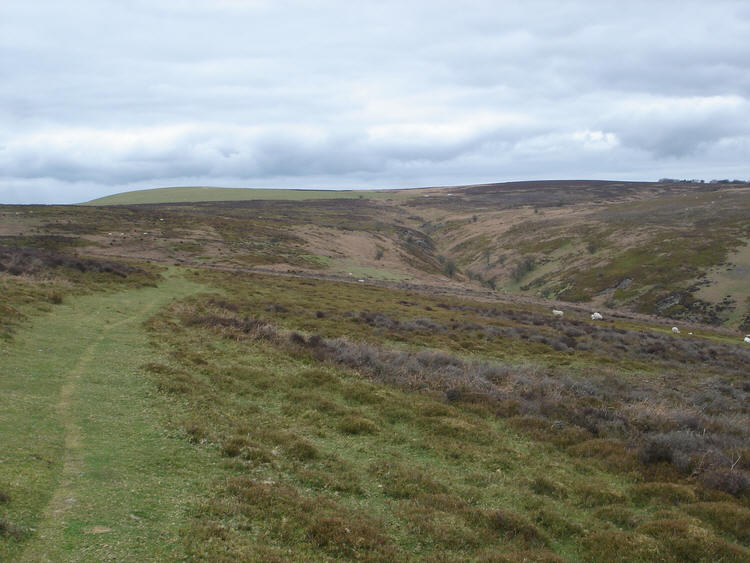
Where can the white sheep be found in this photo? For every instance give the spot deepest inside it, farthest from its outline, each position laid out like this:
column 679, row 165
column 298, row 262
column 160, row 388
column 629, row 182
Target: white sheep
column 675, row 330
column 747, row 339
column 596, row 316
column 557, row 313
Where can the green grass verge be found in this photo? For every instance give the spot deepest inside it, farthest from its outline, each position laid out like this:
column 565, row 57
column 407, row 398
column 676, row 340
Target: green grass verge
column 88, row 470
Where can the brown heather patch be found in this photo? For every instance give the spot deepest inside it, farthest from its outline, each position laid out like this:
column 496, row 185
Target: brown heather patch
column 350, row 537
column 516, row 527
column 662, row 493
column 621, row 547
column 682, row 540
column 401, row 482
column 443, row 529
column 10, row 530
column 614, row 454
column 524, row 556
column 724, row 517
column 593, row 495
column 543, row 486
column 620, row 516
column 557, row 525
column 357, row 425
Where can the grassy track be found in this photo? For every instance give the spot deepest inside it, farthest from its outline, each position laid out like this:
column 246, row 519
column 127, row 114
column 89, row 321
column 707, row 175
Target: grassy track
column 91, row 474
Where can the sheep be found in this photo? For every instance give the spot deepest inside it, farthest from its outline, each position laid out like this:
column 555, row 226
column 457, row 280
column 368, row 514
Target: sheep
column 596, row 316
column 675, row 330
column 747, row 339
column 557, row 313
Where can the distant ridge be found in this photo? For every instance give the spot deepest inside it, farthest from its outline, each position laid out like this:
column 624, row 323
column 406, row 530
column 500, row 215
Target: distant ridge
column 192, row 194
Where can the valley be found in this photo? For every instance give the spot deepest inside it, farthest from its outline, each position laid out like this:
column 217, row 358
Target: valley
column 378, row 375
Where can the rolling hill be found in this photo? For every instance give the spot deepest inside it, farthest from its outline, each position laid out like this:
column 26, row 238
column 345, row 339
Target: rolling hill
column 205, row 193
column 675, row 249
column 378, row 377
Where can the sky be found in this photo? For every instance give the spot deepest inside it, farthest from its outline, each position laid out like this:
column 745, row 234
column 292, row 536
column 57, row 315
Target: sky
column 99, row 97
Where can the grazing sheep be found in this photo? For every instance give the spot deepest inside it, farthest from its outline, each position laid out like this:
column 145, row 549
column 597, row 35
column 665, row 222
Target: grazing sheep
column 747, row 339
column 675, row 330
column 557, row 313
column 596, row 316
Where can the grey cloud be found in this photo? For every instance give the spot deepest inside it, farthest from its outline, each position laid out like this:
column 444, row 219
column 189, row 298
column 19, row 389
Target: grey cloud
column 254, row 92
column 670, row 127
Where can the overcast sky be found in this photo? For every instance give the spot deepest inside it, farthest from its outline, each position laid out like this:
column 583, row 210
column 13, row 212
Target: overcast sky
column 98, row 97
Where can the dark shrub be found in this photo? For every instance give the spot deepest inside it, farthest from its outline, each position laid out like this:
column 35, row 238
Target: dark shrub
column 18, row 261
column 674, row 447
column 224, row 305
column 302, row 450
column 730, row 481
column 453, row 395
column 233, row 446
column 296, row 338
column 315, row 341
column 9, row 529
column 55, row 297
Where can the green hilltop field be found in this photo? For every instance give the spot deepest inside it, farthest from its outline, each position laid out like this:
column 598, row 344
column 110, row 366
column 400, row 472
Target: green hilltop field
column 201, row 193
column 319, row 376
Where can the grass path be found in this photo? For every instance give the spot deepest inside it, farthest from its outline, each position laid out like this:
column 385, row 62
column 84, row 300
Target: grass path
column 88, row 464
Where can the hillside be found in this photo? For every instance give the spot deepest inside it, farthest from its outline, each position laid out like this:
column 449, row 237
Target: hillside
column 673, row 249
column 379, row 378
column 205, row 193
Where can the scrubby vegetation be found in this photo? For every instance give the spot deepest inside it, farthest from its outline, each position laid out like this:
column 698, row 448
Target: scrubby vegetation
column 401, row 420
column 375, row 419
column 35, row 277
column 673, row 249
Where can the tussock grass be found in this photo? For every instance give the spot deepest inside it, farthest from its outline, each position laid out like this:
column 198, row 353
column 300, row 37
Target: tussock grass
column 724, row 517
column 684, row 541
column 561, row 407
column 415, row 441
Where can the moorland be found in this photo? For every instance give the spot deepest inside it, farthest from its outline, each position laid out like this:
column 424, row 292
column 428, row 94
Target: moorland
column 189, row 374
